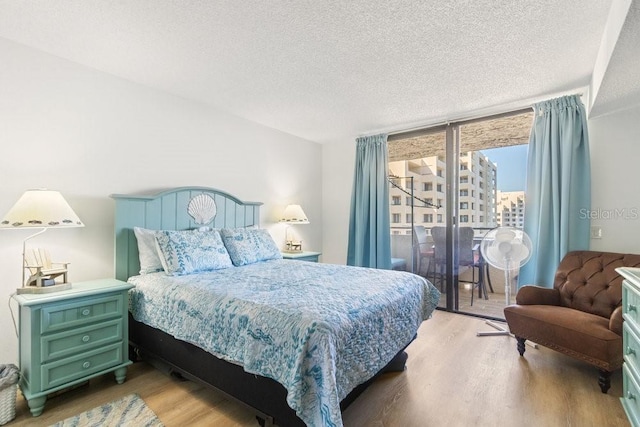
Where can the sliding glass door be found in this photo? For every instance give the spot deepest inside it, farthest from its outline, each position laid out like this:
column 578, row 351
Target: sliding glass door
column 418, row 202
column 445, row 195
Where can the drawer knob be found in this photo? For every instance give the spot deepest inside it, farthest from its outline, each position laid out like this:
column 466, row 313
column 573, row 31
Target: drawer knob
column 631, row 396
column 632, row 307
column 86, row 312
column 86, row 338
column 85, row 365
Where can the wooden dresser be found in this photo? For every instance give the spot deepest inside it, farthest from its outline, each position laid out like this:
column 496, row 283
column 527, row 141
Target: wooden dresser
column 631, row 343
column 69, row 336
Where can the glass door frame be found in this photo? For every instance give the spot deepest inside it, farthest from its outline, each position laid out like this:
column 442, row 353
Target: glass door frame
column 452, row 157
column 452, row 176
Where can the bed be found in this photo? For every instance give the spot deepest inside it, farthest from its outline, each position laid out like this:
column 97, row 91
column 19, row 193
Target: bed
column 295, row 341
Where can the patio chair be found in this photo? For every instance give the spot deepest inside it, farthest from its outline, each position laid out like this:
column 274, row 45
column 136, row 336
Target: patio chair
column 423, row 249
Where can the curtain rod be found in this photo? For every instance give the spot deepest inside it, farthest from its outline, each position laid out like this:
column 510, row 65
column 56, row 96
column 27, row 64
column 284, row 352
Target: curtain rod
column 438, row 126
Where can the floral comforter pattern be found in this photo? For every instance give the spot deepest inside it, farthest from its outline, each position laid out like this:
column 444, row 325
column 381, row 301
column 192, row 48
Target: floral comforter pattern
column 318, row 329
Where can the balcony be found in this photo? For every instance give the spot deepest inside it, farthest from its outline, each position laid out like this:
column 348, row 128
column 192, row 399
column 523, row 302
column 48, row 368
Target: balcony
column 492, row 306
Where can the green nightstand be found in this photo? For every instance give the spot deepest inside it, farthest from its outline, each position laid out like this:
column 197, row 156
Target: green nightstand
column 302, row 256
column 69, row 336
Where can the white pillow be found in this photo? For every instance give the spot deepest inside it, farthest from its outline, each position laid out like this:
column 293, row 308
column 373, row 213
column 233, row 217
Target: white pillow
column 147, row 251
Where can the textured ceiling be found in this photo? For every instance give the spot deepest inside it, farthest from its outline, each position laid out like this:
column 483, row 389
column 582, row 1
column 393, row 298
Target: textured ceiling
column 621, row 84
column 327, row 70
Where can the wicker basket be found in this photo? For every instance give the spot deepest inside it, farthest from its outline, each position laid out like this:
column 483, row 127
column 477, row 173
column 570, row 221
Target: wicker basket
column 8, row 403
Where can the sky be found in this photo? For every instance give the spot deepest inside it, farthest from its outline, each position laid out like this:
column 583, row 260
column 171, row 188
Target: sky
column 512, row 166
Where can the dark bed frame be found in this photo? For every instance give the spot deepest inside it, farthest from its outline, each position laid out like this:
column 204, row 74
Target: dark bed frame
column 168, row 211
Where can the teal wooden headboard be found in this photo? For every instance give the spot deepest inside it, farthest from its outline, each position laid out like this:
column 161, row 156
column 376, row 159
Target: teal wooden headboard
column 168, row 210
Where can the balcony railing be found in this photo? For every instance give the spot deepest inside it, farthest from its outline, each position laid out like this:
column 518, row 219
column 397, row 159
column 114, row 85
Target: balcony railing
column 402, row 241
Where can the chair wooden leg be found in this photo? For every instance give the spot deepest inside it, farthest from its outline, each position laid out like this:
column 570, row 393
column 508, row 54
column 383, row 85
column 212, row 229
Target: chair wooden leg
column 604, row 380
column 520, row 344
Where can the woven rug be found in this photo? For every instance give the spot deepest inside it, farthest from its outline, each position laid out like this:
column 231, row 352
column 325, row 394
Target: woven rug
column 128, row 411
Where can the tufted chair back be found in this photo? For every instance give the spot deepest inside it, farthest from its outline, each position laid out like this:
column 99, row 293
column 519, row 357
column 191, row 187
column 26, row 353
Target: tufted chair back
column 587, row 280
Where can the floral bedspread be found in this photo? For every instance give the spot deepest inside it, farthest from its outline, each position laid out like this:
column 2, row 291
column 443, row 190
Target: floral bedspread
column 318, row 329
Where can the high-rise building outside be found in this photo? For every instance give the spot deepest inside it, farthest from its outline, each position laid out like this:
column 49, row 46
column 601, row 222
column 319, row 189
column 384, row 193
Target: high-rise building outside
column 477, row 198
column 511, row 209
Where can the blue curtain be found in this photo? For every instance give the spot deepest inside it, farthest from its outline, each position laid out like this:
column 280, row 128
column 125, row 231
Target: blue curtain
column 558, row 192
column 369, row 228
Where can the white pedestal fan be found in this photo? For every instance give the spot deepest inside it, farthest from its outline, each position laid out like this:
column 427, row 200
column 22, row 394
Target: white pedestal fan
column 507, row 249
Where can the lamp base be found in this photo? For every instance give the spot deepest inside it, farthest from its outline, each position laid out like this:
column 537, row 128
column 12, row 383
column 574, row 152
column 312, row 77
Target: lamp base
column 43, row 289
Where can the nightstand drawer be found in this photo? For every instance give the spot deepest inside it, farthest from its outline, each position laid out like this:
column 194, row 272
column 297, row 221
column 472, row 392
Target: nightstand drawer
column 76, row 341
column 302, row 256
column 80, row 312
column 310, row 258
column 72, row 368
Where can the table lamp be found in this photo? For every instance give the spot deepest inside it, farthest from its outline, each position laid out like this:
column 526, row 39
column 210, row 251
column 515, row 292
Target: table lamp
column 293, row 214
column 41, row 209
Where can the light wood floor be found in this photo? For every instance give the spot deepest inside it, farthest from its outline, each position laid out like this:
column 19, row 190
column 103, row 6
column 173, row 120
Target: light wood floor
column 453, row 378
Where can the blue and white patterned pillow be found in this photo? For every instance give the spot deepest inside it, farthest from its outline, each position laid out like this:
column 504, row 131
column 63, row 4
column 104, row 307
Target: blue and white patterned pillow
column 187, row 252
column 249, row 245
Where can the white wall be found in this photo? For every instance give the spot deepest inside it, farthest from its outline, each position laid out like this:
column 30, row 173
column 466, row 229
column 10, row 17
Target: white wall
column 338, row 161
column 88, row 134
column 615, row 184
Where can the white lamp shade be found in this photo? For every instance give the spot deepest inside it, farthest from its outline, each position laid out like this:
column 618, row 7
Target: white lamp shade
column 41, row 209
column 294, row 214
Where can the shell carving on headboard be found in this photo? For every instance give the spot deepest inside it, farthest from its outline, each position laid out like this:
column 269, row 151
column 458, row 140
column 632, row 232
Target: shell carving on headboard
column 202, row 208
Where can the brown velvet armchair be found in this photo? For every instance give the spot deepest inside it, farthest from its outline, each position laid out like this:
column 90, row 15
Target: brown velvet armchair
column 581, row 316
